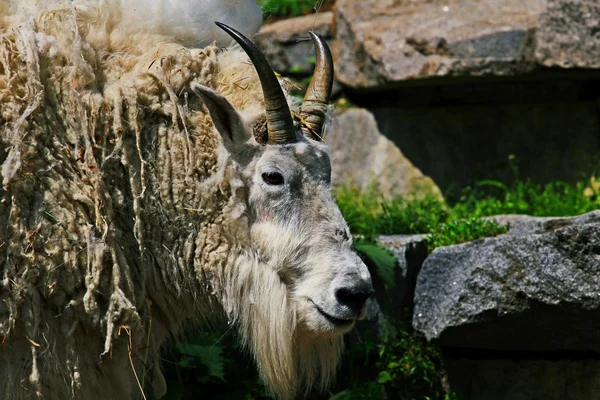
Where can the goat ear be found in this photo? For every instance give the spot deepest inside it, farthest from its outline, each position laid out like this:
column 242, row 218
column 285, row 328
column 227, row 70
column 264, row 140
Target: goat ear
column 225, row 117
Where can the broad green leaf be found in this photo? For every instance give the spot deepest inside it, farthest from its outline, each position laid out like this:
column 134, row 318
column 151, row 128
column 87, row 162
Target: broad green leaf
column 384, row 377
column 209, row 356
column 345, row 395
column 382, row 259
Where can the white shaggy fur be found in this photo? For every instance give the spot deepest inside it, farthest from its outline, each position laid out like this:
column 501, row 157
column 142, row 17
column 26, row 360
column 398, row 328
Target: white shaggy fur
column 133, row 199
column 190, row 21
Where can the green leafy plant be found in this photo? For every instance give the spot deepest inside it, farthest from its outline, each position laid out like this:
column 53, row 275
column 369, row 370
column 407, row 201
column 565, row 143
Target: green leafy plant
column 210, row 356
column 409, row 366
column 381, row 259
column 405, row 366
column 211, row 365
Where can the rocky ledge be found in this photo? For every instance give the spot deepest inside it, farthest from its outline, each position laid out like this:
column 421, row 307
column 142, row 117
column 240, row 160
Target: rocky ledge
column 536, row 288
column 381, row 43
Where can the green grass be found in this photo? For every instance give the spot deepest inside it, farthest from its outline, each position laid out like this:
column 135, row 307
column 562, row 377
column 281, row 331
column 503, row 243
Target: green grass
column 557, row 199
column 369, row 214
column 285, row 8
column 463, row 230
column 527, row 197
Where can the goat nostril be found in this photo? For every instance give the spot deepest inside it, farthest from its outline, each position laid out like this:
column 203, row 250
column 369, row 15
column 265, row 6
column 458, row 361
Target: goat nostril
column 354, row 299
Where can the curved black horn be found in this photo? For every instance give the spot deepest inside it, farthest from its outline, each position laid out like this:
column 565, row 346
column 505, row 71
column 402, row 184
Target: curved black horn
column 280, row 125
column 314, row 106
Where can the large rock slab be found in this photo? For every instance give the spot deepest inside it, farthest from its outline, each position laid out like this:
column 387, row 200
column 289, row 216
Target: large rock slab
column 383, row 43
column 536, row 288
column 361, row 156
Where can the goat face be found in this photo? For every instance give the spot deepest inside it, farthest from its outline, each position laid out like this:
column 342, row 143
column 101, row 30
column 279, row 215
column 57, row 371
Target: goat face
column 296, row 228
column 299, row 229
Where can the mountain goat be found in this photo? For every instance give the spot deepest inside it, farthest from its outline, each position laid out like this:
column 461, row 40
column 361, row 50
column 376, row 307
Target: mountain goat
column 143, row 184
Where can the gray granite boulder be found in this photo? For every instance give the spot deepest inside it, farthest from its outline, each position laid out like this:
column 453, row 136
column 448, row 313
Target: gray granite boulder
column 536, row 288
column 383, row 43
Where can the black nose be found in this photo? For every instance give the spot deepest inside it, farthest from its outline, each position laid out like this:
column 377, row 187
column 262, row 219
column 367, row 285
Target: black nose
column 354, row 297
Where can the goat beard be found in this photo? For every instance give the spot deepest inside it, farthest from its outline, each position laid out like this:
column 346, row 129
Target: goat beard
column 289, row 360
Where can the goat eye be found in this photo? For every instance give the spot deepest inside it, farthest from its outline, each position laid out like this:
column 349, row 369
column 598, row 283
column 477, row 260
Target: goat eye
column 272, row 178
